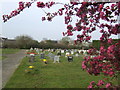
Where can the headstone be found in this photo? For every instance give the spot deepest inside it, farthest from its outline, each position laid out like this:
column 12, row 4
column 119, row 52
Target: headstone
column 32, row 58
column 51, row 56
column 31, row 49
column 67, row 54
column 62, row 51
column 59, row 53
column 76, row 55
column 42, row 56
column 70, row 58
column 72, row 52
column 56, row 59
column 37, row 50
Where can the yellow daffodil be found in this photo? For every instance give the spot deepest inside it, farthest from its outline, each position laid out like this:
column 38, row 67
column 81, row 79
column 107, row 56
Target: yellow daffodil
column 31, row 66
column 44, row 60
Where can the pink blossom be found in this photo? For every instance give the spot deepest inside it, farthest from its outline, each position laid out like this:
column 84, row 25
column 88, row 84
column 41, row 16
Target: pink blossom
column 49, row 4
column 78, row 36
column 75, row 41
column 107, row 85
column 40, row 4
column 110, row 41
column 91, row 20
column 101, row 6
column 88, row 38
column 49, row 18
column 100, row 65
column 110, row 49
column 28, row 4
column 93, row 82
column 100, row 82
column 69, row 33
column 113, row 5
column 67, row 19
column 83, row 65
column 74, row 2
column 84, row 32
column 70, row 27
column 60, row 12
column 84, row 3
column 43, row 18
column 111, row 73
column 107, row 7
column 90, row 86
column 52, row 3
column 119, row 7
column 87, row 28
column 75, row 28
column 63, row 34
column 102, row 49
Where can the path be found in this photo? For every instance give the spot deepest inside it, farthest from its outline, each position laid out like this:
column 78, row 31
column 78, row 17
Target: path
column 10, row 64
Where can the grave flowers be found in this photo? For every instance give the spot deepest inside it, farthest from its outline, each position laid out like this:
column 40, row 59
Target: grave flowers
column 45, row 61
column 32, row 52
column 31, row 69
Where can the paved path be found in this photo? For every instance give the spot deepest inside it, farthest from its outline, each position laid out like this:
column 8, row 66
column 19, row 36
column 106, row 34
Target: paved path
column 10, row 64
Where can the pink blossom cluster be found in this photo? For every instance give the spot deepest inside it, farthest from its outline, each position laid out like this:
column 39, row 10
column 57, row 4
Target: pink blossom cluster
column 106, row 62
column 43, row 5
column 95, row 10
column 100, row 83
column 40, row 4
column 22, row 5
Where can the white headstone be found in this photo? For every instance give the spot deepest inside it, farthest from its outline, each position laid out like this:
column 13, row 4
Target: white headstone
column 76, row 55
column 62, row 51
column 72, row 52
column 31, row 49
column 67, row 54
column 56, row 58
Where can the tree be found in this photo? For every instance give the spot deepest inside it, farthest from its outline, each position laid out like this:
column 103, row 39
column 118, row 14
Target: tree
column 25, row 42
column 91, row 16
column 65, row 40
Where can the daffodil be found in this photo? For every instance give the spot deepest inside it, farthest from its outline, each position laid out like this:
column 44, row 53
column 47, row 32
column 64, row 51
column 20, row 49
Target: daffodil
column 44, row 60
column 31, row 67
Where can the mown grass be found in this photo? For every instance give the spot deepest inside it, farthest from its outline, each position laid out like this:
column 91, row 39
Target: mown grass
column 52, row 75
column 7, row 51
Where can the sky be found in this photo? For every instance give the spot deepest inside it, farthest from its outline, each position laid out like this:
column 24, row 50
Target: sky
column 29, row 22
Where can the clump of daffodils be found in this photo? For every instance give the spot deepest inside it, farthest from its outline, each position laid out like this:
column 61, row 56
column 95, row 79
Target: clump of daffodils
column 45, row 61
column 31, row 67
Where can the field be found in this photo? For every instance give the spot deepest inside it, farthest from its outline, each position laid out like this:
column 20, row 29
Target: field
column 52, row 75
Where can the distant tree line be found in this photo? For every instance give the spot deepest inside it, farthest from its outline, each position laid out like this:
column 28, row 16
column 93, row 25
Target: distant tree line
column 26, row 42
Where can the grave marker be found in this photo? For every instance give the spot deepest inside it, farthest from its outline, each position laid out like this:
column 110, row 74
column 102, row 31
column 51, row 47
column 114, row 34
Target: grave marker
column 70, row 58
column 56, row 59
column 42, row 56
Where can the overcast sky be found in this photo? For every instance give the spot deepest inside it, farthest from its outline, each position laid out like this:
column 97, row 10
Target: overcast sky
column 29, row 22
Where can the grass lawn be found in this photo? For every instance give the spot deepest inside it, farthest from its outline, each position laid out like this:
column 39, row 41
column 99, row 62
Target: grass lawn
column 52, row 75
column 2, row 57
column 7, row 51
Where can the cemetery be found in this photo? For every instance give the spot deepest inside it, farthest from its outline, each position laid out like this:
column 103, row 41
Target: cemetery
column 90, row 60
column 48, row 70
